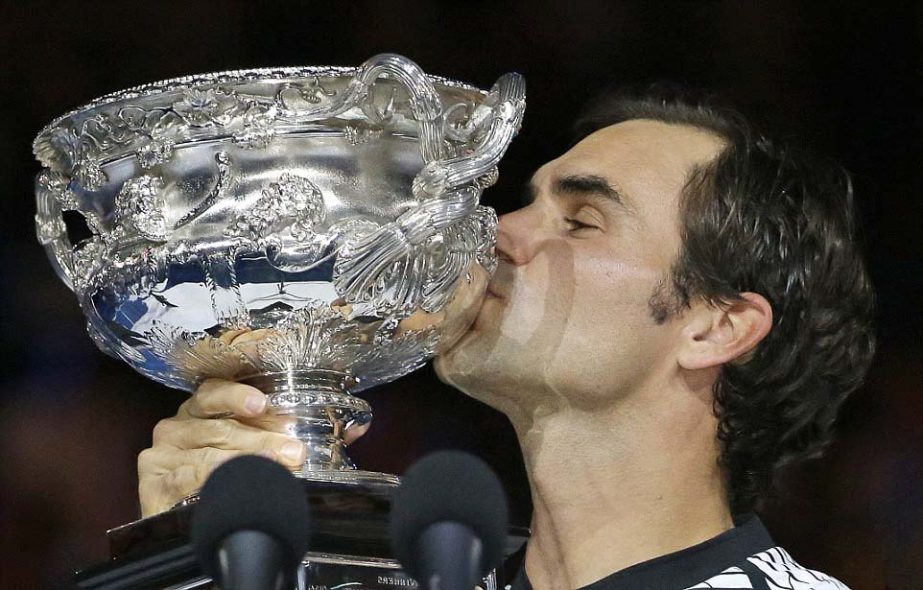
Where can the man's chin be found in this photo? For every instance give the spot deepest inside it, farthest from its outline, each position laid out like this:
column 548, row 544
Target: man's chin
column 439, row 366
column 462, row 367
column 444, row 362
column 461, row 380
column 464, row 370
column 454, row 361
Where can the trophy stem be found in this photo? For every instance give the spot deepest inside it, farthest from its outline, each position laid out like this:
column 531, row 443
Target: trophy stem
column 315, row 406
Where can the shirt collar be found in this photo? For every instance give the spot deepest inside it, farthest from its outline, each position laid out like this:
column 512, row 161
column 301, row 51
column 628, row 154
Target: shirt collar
column 686, row 567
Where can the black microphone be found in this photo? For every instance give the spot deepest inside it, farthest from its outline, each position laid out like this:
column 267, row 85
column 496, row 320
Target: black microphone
column 449, row 521
column 250, row 527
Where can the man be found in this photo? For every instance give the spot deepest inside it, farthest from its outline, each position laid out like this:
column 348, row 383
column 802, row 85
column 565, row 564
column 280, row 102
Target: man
column 679, row 311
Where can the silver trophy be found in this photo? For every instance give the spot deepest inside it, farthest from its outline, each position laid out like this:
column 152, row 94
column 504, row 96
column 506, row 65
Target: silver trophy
column 302, row 230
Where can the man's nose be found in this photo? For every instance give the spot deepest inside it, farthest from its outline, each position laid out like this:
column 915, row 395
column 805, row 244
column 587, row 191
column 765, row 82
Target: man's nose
column 516, row 236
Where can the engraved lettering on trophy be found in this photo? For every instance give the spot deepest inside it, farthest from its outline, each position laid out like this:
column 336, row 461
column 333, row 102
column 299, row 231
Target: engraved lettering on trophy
column 398, row 582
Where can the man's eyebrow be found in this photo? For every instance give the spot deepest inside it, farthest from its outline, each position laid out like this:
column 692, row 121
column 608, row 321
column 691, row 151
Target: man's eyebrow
column 587, row 185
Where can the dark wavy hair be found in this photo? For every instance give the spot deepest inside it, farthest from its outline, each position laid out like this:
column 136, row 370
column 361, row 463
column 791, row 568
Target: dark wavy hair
column 778, row 221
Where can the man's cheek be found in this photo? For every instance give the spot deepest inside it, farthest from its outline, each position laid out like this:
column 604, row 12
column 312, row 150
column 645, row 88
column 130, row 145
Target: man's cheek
column 530, row 316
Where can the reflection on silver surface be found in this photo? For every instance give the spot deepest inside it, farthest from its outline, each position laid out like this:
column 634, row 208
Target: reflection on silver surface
column 300, row 229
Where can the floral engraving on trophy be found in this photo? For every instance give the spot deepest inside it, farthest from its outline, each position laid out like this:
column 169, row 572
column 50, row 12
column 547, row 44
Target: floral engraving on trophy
column 87, row 261
column 49, row 229
column 310, row 91
column 198, row 103
column 452, row 251
column 140, row 205
column 209, row 107
column 52, row 198
column 51, row 192
column 361, row 134
column 293, row 201
column 88, row 174
column 394, row 355
column 257, row 126
column 485, row 222
column 198, row 355
column 314, row 336
column 126, row 126
column 155, row 152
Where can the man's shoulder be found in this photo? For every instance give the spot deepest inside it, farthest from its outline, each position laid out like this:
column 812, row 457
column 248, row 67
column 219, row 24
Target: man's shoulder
column 772, row 569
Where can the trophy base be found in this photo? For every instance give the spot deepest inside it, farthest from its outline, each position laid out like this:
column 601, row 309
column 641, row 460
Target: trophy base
column 318, row 571
column 315, row 406
column 350, row 477
column 355, row 477
column 350, row 546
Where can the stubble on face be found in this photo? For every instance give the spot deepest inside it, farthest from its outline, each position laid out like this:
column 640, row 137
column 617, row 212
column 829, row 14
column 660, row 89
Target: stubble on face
column 519, row 327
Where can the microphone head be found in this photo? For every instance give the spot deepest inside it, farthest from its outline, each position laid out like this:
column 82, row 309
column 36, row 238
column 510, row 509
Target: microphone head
column 250, row 493
column 449, row 486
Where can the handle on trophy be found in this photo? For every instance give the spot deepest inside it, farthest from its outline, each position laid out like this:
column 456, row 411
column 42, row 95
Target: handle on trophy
column 506, row 102
column 448, row 183
column 424, row 100
column 49, row 224
column 448, row 191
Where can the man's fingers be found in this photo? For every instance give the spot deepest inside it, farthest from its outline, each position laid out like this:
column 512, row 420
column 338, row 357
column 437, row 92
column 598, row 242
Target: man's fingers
column 161, row 493
column 162, row 460
column 228, row 435
column 217, row 397
column 168, row 475
column 352, row 434
column 164, row 463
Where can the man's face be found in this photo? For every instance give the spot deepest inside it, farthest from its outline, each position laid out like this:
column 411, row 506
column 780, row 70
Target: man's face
column 567, row 320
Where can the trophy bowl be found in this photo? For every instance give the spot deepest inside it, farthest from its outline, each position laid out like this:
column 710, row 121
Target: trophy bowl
column 303, row 230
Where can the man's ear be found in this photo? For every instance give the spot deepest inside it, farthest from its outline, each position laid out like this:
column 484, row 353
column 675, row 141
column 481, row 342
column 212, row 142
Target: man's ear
column 719, row 334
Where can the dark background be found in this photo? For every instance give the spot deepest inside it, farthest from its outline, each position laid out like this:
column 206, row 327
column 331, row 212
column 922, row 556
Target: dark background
column 843, row 78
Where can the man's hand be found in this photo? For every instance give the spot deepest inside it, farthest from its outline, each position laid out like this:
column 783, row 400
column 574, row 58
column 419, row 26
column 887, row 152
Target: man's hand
column 220, row 421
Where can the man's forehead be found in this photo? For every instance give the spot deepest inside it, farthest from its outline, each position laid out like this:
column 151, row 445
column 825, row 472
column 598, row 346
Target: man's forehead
column 634, row 150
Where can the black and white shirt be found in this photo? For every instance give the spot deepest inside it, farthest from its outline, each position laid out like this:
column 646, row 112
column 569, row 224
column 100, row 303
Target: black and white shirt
column 744, row 557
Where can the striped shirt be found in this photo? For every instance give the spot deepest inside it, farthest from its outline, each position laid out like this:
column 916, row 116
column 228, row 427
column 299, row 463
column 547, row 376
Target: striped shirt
column 744, row 557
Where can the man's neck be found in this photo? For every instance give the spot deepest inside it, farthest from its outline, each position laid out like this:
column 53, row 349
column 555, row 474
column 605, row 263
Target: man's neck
column 615, row 488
